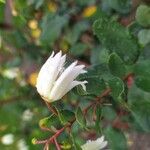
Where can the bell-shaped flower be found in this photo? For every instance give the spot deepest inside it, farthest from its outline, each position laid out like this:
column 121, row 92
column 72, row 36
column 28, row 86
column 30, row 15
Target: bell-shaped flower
column 54, row 81
column 98, row 144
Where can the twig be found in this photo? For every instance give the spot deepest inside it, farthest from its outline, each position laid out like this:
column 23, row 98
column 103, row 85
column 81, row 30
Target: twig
column 51, row 108
column 98, row 98
column 56, row 144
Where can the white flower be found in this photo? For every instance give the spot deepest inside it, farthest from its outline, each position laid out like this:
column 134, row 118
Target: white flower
column 54, row 81
column 11, row 73
column 21, row 144
column 27, row 115
column 94, row 145
column 7, row 139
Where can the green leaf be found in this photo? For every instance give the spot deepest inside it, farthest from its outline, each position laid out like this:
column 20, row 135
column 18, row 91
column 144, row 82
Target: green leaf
column 121, row 6
column 109, row 110
column 141, row 113
column 116, row 38
column 116, row 66
column 80, row 118
column 15, row 38
column 143, row 83
column 142, row 72
column 74, row 142
column 2, row 1
column 116, row 139
column 144, row 37
column 50, row 121
column 65, row 116
column 78, row 49
column 143, row 15
column 74, row 34
column 99, row 55
column 139, row 102
column 94, row 76
column 51, row 28
column 136, row 94
column 117, row 87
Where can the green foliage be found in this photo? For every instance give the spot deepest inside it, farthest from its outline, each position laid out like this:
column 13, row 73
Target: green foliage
column 144, row 37
column 95, row 80
column 139, row 102
column 116, row 139
column 116, row 38
column 80, row 117
column 109, row 38
column 143, row 15
column 109, row 110
column 65, row 116
column 116, row 66
column 141, row 112
column 142, row 71
column 2, row 1
column 78, row 49
column 51, row 27
column 51, row 121
column 117, row 87
column 123, row 6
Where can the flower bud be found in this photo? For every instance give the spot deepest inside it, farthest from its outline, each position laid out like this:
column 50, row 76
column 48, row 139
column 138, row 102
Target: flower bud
column 54, row 81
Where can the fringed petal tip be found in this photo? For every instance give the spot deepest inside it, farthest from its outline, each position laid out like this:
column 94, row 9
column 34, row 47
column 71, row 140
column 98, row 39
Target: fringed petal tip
column 82, row 83
column 54, row 53
column 103, row 144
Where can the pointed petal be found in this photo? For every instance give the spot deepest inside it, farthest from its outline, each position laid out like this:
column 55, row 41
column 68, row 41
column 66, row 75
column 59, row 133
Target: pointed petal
column 71, row 86
column 62, row 81
column 65, row 79
column 75, row 83
column 49, row 73
column 104, row 144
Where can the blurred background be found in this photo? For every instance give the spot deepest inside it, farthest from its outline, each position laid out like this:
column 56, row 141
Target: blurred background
column 29, row 31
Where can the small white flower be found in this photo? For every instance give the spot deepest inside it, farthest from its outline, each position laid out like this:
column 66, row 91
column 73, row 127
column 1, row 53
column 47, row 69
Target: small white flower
column 94, row 145
column 7, row 139
column 21, row 144
column 54, row 81
column 27, row 115
column 11, row 73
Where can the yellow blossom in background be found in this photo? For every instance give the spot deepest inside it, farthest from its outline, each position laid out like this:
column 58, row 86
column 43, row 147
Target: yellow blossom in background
column 89, row 11
column 32, row 78
column 36, row 33
column 3, row 127
column 14, row 12
column 64, row 46
column 33, row 24
column 52, row 6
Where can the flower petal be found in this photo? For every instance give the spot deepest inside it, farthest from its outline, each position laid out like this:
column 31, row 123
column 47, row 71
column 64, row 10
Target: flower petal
column 49, row 73
column 94, row 145
column 65, row 79
column 72, row 85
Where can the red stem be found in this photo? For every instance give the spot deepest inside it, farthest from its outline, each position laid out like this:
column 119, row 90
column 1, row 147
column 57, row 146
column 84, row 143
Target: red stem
column 105, row 93
column 57, row 134
column 56, row 144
